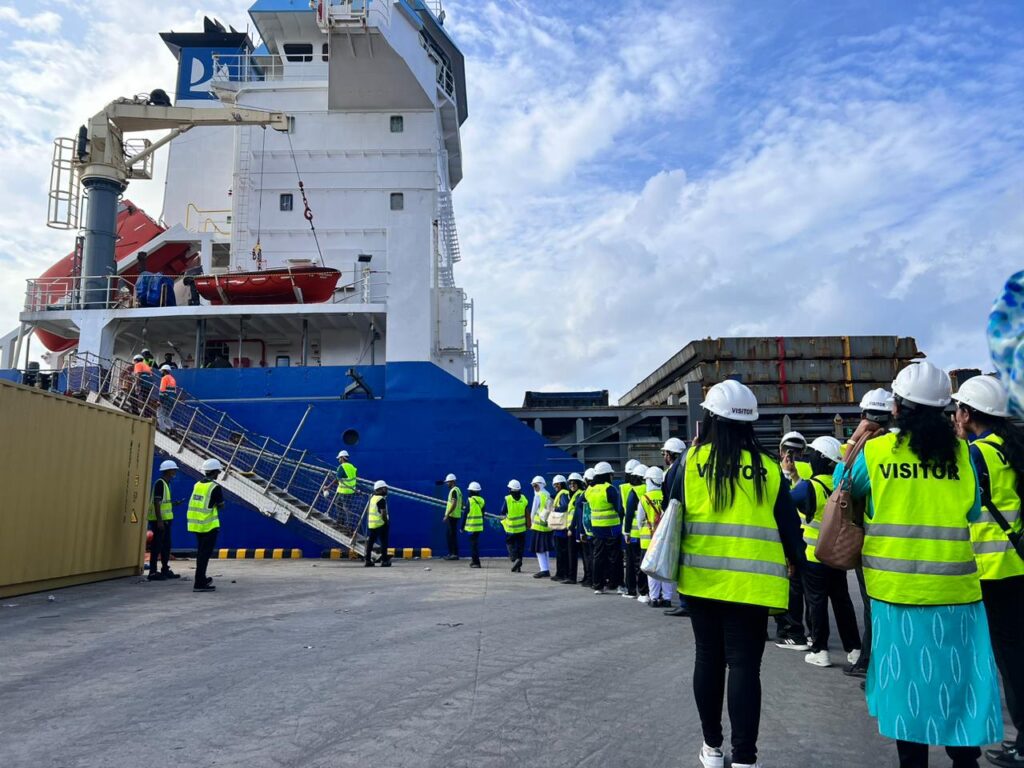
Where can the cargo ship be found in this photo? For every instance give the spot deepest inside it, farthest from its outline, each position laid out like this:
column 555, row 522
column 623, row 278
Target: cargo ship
column 307, row 251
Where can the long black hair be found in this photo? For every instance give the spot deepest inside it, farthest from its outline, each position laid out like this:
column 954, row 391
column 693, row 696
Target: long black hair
column 1013, row 440
column 930, row 433
column 728, row 439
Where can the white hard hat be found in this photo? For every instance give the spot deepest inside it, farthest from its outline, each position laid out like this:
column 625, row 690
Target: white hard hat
column 513, row 485
column 379, row 484
column 576, row 476
column 985, row 394
column 343, row 455
column 603, row 468
column 167, row 466
column 165, row 367
column 589, row 474
column 212, row 465
column 630, row 464
column 450, row 478
column 876, row 400
column 639, row 470
column 655, row 474
column 147, row 349
column 793, row 440
column 674, row 445
column 924, row 384
column 558, row 479
column 538, row 480
column 138, row 358
column 828, row 447
column 474, row 486
column 731, row 400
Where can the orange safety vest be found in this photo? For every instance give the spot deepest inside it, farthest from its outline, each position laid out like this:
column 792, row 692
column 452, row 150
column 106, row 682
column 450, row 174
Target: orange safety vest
column 167, row 382
column 141, row 367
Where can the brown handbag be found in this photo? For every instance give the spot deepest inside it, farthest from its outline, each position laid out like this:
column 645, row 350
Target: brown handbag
column 841, row 537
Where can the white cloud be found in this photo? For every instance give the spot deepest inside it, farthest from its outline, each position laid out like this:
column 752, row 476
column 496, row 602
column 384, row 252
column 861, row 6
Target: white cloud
column 46, row 22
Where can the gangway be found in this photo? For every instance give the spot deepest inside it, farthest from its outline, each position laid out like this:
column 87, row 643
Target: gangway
column 278, row 481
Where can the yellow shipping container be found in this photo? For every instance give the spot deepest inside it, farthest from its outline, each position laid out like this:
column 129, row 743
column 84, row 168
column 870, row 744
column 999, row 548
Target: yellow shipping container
column 74, row 484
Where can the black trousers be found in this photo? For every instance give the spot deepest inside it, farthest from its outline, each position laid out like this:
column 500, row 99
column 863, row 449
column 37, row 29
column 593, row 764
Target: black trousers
column 474, row 547
column 587, row 553
column 1004, row 604
column 561, row 556
column 791, row 623
column 572, row 559
column 636, row 580
column 823, row 585
column 865, row 651
column 516, row 543
column 452, row 535
column 160, row 547
column 205, row 544
column 378, row 536
column 729, row 635
column 607, row 562
column 913, row 755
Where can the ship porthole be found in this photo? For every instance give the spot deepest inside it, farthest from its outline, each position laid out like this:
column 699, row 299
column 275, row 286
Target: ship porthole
column 350, row 437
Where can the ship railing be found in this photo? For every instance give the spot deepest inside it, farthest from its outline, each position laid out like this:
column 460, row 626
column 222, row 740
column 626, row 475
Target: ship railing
column 216, row 220
column 47, row 294
column 231, row 69
column 445, row 79
column 348, row 13
column 294, row 475
column 368, row 287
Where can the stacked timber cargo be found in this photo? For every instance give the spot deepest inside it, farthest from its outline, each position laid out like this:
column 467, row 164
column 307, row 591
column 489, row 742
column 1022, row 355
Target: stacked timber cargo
column 782, row 371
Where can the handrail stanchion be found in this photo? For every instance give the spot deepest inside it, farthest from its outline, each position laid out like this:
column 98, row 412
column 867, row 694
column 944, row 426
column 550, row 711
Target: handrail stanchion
column 216, row 428
column 188, row 429
column 298, row 466
column 319, row 491
column 260, row 454
column 295, row 434
column 241, row 439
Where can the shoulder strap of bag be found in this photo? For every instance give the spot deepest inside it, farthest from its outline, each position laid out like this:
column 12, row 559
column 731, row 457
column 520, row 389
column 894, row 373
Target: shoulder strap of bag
column 845, row 480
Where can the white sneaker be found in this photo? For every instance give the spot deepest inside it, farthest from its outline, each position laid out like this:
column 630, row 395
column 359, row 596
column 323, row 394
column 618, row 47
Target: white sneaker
column 598, row 591
column 711, row 757
column 621, row 590
column 644, row 599
column 818, row 659
column 790, row 644
column 853, row 656
column 746, row 765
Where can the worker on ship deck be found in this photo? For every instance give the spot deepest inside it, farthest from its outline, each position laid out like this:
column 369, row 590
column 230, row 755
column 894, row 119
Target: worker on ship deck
column 161, row 513
column 347, row 476
column 150, row 360
column 378, row 526
column 168, row 394
column 169, row 361
column 452, row 517
column 516, row 522
column 204, row 520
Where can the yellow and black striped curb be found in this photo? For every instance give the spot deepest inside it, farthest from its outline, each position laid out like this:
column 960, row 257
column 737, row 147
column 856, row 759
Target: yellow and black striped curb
column 407, row 553
column 259, row 554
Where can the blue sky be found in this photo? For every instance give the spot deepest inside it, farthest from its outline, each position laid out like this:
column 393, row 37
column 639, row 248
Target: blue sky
column 639, row 174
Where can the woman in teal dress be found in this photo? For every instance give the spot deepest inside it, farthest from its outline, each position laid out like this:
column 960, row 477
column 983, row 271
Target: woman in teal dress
column 932, row 677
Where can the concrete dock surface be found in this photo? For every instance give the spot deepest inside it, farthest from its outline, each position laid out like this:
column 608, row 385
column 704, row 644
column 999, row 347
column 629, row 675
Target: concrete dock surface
column 428, row 663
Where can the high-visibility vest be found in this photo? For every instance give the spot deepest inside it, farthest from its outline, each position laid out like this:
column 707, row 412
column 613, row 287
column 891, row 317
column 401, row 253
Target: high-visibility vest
column 375, row 519
column 804, row 470
column 571, row 512
column 822, row 487
column 602, row 511
column 917, row 544
column 167, row 382
column 559, row 495
column 625, row 491
column 650, row 504
column 166, row 507
column 202, row 518
column 347, row 486
column 454, row 508
column 140, row 367
column 475, row 516
column 733, row 554
column 997, row 559
column 638, row 491
column 538, row 523
column 515, row 514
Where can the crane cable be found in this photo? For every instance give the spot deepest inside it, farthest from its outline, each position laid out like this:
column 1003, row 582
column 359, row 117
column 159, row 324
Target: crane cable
column 257, row 250
column 307, row 212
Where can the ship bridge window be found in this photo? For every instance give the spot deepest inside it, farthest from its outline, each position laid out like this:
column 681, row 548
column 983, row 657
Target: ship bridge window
column 397, row 201
column 298, row 51
column 287, row 201
column 323, row 52
column 397, row 124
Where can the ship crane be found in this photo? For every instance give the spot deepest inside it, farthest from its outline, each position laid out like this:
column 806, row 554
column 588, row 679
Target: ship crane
column 102, row 161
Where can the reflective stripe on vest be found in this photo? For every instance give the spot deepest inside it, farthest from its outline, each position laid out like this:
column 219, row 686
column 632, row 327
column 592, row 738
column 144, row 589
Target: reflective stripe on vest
column 997, row 559
column 602, row 511
column 167, row 382
column 917, row 548
column 202, row 518
column 347, row 486
column 650, row 505
column 454, row 508
column 166, row 507
column 733, row 554
column 375, row 519
column 475, row 516
column 538, row 524
column 822, row 486
column 515, row 515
